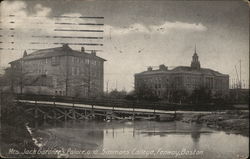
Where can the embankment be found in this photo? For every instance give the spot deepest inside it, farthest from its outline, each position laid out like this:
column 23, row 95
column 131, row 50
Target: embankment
column 233, row 121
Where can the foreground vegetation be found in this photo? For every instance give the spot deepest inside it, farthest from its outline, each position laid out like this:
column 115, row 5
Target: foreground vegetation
column 14, row 134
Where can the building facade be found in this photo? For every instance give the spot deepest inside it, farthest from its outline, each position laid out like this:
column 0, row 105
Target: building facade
column 60, row 71
column 163, row 80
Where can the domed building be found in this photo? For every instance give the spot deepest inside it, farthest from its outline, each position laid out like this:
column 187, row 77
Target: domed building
column 186, row 78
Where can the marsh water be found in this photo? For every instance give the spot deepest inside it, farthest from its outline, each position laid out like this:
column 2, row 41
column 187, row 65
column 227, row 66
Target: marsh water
column 146, row 139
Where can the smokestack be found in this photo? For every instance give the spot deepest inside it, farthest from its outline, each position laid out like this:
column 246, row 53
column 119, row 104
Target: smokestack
column 93, row 53
column 25, row 53
column 150, row 68
column 163, row 67
column 82, row 49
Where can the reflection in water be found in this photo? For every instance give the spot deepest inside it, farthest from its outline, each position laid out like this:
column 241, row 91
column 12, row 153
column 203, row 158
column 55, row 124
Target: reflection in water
column 195, row 134
column 142, row 135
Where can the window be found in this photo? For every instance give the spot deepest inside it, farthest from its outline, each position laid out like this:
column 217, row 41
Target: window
column 73, row 71
column 54, row 61
column 54, row 82
column 76, row 71
column 87, row 61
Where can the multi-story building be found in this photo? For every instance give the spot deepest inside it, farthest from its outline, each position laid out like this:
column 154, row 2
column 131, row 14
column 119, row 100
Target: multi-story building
column 185, row 78
column 60, row 71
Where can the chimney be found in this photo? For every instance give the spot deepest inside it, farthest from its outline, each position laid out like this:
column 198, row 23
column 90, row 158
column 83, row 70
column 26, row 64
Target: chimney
column 25, row 53
column 82, row 49
column 163, row 67
column 93, row 52
column 150, row 68
column 66, row 46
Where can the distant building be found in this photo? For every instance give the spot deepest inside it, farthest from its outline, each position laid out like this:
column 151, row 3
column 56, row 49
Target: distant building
column 60, row 71
column 186, row 78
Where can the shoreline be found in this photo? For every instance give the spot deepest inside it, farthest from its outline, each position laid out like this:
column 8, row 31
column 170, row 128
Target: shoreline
column 236, row 122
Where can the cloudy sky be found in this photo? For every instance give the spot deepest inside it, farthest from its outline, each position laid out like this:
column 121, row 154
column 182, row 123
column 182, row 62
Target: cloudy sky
column 137, row 33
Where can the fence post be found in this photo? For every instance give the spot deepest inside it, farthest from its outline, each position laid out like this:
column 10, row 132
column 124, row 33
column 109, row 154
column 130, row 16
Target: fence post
column 74, row 113
column 174, row 112
column 36, row 110
column 92, row 111
column 54, row 100
column 133, row 117
column 154, row 112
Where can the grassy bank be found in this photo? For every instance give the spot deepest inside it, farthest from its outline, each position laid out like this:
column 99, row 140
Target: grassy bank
column 233, row 121
column 15, row 138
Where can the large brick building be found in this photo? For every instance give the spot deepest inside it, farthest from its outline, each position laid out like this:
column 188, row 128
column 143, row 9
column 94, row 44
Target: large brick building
column 185, row 78
column 59, row 71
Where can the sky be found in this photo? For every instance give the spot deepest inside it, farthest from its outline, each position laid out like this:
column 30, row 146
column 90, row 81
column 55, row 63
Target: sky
column 137, row 33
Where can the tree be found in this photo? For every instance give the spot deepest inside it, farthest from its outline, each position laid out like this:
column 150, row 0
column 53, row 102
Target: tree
column 201, row 95
column 146, row 93
column 179, row 96
column 117, row 94
column 131, row 95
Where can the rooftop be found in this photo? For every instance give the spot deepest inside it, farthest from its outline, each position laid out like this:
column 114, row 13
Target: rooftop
column 183, row 69
column 195, row 68
column 57, row 51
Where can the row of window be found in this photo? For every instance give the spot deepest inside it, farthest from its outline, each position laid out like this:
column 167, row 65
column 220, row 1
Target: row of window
column 76, row 71
column 154, row 80
column 84, row 60
column 192, row 79
column 55, row 60
column 209, row 82
column 41, row 71
column 59, row 93
column 158, row 93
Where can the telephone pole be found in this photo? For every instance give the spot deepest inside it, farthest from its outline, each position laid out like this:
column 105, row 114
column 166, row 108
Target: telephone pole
column 116, row 84
column 107, row 86
column 67, row 74
column 240, row 74
column 89, row 79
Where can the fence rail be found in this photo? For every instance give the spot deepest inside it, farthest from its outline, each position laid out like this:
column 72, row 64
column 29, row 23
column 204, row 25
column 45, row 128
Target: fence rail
column 123, row 103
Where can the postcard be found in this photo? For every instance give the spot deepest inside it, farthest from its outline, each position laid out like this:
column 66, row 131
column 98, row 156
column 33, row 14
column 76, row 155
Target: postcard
column 124, row 79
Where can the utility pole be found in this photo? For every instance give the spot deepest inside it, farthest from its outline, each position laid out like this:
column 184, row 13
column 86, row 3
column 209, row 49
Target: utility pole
column 21, row 82
column 237, row 77
column 89, row 79
column 107, row 86
column 240, row 74
column 67, row 74
column 116, row 84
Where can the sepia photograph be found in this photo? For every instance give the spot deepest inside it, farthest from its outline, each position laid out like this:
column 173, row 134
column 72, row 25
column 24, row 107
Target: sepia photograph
column 124, row 79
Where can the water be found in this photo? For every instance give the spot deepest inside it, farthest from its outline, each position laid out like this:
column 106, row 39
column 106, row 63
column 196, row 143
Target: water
column 138, row 139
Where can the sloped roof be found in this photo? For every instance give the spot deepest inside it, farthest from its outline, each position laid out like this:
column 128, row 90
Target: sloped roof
column 154, row 72
column 184, row 69
column 57, row 51
column 206, row 71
